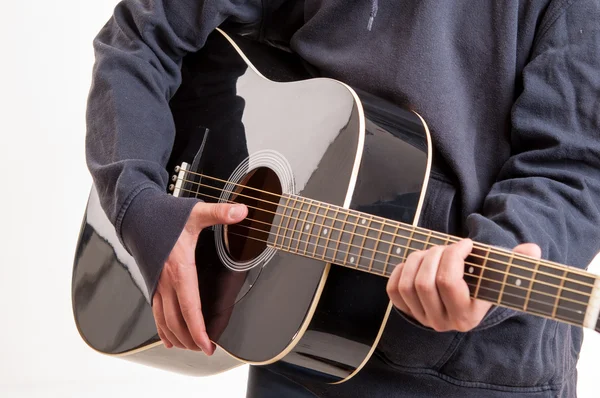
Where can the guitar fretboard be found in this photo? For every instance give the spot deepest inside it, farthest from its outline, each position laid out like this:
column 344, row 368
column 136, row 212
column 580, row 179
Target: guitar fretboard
column 376, row 245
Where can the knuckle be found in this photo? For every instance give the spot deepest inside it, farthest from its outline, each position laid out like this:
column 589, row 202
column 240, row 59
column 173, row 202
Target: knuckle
column 405, row 288
column 172, row 323
column 218, row 212
column 447, row 255
column 439, row 326
column 444, row 281
column 189, row 310
column 390, row 289
column 415, row 255
column 424, row 286
column 437, row 249
column 451, row 251
column 464, row 324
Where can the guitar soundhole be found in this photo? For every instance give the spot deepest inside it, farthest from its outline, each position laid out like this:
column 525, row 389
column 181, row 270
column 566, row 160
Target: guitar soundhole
column 260, row 190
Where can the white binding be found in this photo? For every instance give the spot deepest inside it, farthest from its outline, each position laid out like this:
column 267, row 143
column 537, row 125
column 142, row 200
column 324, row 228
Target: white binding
column 593, row 310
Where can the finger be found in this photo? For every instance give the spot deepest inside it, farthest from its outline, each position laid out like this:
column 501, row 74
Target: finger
column 208, row 214
column 163, row 338
column 161, row 324
column 406, row 285
column 452, row 287
column 188, row 295
column 156, row 304
column 175, row 322
column 529, row 249
column 425, row 285
column 392, row 290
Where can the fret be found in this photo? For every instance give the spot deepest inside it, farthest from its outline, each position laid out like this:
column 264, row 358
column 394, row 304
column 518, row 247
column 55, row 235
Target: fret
column 574, row 297
column 482, row 266
column 304, row 207
column 542, row 297
column 290, row 227
column 518, row 283
column 438, row 239
column 308, row 228
column 401, row 245
column 315, row 236
column 382, row 237
column 507, row 272
column 377, row 244
column 407, row 246
column 473, row 273
column 346, row 239
column 393, row 236
column 367, row 245
column 278, row 219
column 326, row 231
column 280, row 226
column 356, row 241
column 534, row 274
column 560, row 289
column 336, row 236
column 492, row 277
column 415, row 242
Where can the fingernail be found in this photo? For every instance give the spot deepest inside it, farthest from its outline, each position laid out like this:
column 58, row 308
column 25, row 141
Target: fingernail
column 236, row 211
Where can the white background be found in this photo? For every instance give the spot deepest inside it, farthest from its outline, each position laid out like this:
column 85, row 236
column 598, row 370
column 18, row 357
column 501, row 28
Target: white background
column 45, row 67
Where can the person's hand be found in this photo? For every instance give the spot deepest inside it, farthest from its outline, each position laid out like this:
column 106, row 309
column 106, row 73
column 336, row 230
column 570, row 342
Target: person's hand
column 430, row 288
column 176, row 302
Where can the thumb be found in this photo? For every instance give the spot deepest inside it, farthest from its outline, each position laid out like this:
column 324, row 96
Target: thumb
column 208, row 214
column 529, row 249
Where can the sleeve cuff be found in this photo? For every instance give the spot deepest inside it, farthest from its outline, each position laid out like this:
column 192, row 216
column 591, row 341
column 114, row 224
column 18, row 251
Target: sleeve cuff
column 149, row 228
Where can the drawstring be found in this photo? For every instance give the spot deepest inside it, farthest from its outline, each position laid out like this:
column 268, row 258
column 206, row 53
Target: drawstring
column 372, row 15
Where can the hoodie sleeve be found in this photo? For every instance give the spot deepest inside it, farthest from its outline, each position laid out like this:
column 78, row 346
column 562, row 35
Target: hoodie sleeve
column 130, row 128
column 548, row 192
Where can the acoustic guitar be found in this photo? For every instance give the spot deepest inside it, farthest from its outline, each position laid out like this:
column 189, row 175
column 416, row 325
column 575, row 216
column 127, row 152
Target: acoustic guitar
column 312, row 158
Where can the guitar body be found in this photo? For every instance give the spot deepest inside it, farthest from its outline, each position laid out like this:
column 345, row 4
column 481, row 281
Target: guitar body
column 260, row 121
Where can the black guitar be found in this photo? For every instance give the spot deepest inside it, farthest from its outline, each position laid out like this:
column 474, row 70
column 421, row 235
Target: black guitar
column 309, row 157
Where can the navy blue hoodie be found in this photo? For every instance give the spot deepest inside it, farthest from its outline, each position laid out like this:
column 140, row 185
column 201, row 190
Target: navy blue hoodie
column 511, row 92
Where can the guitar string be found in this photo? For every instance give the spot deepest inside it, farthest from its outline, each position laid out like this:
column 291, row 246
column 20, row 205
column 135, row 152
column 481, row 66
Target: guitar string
column 483, row 268
column 367, row 229
column 370, row 270
column 563, row 308
column 491, row 249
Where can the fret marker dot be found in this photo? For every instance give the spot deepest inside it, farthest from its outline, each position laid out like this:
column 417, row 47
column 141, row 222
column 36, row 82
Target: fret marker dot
column 307, row 227
column 325, row 231
column 471, row 269
column 363, row 221
column 518, row 282
column 398, row 250
column 352, row 260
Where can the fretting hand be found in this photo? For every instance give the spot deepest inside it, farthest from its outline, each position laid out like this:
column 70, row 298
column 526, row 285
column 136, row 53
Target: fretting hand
column 430, row 288
column 176, row 304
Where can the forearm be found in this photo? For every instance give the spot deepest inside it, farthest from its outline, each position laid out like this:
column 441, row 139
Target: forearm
column 130, row 129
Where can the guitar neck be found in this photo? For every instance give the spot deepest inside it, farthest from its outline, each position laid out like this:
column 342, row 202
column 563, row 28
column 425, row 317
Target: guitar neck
column 376, row 245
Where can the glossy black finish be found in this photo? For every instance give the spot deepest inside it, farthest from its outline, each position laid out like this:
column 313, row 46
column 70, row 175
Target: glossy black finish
column 258, row 314
column 272, row 117
column 393, row 169
column 110, row 301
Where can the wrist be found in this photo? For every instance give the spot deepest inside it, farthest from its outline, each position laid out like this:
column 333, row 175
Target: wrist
column 151, row 225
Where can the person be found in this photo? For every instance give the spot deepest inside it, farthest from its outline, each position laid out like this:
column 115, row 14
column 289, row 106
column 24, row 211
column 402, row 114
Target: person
column 511, row 94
